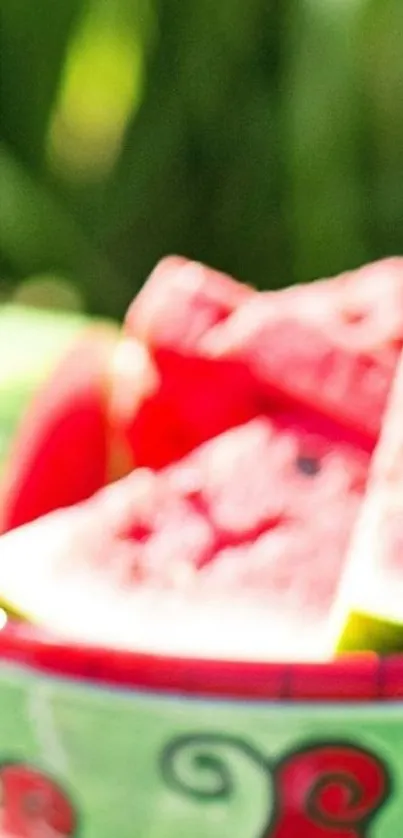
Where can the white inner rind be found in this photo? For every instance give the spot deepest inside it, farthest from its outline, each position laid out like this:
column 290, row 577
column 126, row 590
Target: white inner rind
column 372, row 582
column 87, row 607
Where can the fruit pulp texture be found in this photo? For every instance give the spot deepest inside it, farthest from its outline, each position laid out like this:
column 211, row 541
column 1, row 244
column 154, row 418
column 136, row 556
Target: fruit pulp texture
column 237, row 549
column 311, row 362
column 31, row 342
column 316, row 364
column 60, row 454
column 225, row 354
column 258, row 510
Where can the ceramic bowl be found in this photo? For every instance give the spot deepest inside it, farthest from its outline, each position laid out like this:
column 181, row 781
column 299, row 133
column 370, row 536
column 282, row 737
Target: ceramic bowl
column 97, row 743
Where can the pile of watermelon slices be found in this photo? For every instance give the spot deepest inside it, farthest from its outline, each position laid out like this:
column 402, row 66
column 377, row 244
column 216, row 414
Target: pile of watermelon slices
column 223, row 477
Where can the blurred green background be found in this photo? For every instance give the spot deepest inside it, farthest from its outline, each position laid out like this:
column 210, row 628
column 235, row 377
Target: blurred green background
column 264, row 137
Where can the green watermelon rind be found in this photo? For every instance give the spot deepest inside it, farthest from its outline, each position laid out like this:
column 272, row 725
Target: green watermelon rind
column 365, row 632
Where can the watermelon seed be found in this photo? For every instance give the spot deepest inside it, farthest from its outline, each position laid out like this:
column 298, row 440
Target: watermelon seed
column 354, row 317
column 308, row 465
column 33, row 803
column 140, row 532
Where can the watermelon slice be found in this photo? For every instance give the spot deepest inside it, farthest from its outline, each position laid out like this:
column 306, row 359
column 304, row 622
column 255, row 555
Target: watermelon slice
column 334, row 345
column 225, row 354
column 31, row 344
column 60, row 454
column 201, row 354
column 69, row 444
column 369, row 610
column 235, row 551
column 180, row 300
column 194, row 398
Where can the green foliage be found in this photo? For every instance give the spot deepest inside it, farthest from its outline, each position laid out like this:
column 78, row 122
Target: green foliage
column 263, row 137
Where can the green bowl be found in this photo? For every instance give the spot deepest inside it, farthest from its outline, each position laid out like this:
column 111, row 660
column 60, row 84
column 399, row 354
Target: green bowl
column 97, row 743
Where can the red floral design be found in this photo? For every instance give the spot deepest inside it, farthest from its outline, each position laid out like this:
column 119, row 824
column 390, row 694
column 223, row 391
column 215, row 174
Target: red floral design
column 331, row 790
column 328, row 791
column 32, row 805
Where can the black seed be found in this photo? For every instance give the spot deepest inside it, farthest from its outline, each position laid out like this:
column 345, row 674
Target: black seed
column 308, row 465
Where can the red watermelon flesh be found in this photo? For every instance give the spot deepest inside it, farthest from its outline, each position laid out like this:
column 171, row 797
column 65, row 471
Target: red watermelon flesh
column 260, row 487
column 68, row 445
column 218, row 354
column 236, row 550
column 180, row 301
column 226, row 354
column 333, row 345
column 61, row 453
column 193, row 398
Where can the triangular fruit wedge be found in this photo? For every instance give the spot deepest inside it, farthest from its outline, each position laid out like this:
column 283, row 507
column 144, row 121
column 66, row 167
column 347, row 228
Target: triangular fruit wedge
column 225, row 353
column 201, row 354
column 67, row 445
column 193, row 398
column 369, row 610
column 60, row 454
column 236, row 551
column 332, row 345
column 180, row 301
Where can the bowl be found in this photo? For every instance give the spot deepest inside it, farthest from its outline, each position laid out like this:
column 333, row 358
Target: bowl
column 100, row 743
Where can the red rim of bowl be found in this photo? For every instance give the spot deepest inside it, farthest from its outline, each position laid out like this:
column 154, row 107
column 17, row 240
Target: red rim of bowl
column 352, row 678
